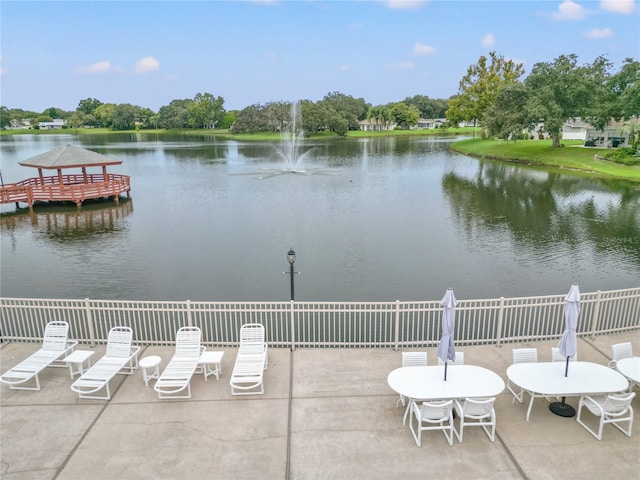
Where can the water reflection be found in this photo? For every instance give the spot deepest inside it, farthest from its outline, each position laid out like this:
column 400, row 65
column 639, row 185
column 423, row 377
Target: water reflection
column 543, row 210
column 68, row 225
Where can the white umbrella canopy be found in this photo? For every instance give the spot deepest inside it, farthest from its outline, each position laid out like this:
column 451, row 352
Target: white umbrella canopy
column 446, row 348
column 568, row 344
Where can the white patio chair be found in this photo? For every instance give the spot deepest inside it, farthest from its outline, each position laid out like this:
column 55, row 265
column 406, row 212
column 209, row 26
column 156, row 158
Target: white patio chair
column 55, row 344
column 556, row 357
column 620, row 351
column 120, row 357
column 412, row 359
column 521, row 355
column 458, row 360
column 611, row 409
column 176, row 377
column 476, row 412
column 252, row 360
column 432, row 416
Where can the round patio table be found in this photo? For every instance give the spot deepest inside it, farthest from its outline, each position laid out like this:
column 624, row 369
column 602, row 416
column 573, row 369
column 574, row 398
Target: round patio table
column 630, row 368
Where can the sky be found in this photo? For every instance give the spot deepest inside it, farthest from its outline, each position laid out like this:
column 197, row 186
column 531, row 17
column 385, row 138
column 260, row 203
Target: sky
column 148, row 53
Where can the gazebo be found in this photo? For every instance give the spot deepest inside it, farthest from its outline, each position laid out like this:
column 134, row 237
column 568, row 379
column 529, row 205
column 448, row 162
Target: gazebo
column 70, row 187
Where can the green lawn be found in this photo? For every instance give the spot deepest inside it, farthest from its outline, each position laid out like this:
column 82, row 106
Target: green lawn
column 573, row 156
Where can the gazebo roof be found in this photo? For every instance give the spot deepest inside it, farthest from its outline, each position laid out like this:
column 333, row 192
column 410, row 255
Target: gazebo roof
column 68, row 156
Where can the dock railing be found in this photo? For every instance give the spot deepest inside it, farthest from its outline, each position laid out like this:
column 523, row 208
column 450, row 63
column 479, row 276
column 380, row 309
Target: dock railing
column 297, row 324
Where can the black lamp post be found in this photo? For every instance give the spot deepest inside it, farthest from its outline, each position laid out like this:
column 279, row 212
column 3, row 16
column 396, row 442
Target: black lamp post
column 291, row 257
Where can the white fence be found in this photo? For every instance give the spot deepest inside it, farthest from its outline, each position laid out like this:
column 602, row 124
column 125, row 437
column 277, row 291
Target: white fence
column 325, row 324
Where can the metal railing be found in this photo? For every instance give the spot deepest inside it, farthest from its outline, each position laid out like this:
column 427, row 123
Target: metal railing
column 325, row 324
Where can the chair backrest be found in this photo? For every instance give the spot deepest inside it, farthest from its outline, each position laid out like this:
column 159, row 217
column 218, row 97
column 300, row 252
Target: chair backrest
column 188, row 342
column 621, row 350
column 618, row 404
column 436, row 411
column 119, row 342
column 55, row 336
column 556, row 357
column 414, row 359
column 458, row 360
column 251, row 334
column 525, row 355
column 478, row 407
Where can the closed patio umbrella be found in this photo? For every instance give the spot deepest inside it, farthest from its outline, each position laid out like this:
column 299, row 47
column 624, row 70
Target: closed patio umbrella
column 568, row 344
column 446, row 348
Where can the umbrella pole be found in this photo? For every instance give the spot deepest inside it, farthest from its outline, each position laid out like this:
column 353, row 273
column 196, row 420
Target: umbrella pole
column 445, row 371
column 561, row 408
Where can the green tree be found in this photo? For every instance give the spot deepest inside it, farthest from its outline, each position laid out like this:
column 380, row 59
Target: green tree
column 124, row 117
column 350, row 109
column 428, row 107
column 175, row 115
column 104, row 114
column 479, row 87
column 562, row 90
column 5, row 118
column 624, row 87
column 88, row 105
column 228, row 118
column 404, row 115
column 508, row 117
column 205, row 111
column 381, row 115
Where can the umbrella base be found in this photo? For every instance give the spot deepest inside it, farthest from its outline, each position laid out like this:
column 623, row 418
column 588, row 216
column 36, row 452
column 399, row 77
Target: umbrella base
column 562, row 409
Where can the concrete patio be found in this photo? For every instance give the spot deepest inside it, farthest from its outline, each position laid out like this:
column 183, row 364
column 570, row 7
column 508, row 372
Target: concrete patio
column 326, row 413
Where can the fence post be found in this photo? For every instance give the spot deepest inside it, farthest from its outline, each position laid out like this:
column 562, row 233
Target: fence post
column 189, row 320
column 397, row 326
column 293, row 325
column 596, row 314
column 89, row 320
column 499, row 327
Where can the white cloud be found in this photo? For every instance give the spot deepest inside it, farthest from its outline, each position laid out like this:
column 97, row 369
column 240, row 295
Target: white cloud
column 598, row 33
column 95, row 68
column 405, row 4
column 344, row 68
column 488, row 40
column 401, row 66
column 146, row 65
column 618, row 6
column 569, row 10
column 422, row 49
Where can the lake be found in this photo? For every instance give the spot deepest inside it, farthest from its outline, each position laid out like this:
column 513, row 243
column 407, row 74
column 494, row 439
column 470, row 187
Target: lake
column 376, row 219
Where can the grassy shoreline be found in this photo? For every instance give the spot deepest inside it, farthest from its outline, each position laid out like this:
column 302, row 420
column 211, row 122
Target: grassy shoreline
column 572, row 158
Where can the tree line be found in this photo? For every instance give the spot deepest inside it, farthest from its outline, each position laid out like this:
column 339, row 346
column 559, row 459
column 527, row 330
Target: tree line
column 490, row 94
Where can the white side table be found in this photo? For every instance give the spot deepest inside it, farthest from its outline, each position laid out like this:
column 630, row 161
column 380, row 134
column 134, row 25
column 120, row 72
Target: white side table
column 150, row 368
column 209, row 360
column 77, row 358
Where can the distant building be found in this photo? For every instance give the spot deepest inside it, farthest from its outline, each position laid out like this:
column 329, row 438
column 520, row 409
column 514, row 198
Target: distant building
column 430, row 123
column 57, row 123
column 376, row 126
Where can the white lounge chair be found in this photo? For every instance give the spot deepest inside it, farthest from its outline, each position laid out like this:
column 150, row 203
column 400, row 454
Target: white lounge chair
column 120, row 357
column 176, row 377
column 247, row 377
column 55, row 344
column 556, row 357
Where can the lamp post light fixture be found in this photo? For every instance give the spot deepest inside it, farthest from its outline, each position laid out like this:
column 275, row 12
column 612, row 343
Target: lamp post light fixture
column 291, row 257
